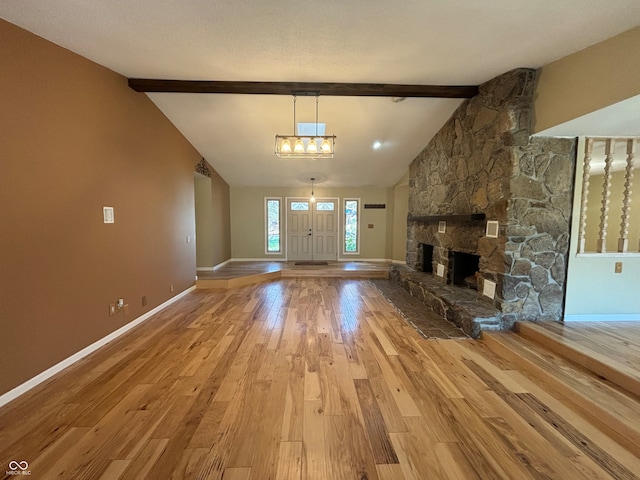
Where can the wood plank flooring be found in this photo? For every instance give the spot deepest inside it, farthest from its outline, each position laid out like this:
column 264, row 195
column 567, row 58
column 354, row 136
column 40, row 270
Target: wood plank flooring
column 311, row 378
column 619, row 341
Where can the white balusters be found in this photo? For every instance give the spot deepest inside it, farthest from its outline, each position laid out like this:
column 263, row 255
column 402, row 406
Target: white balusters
column 606, row 195
column 623, row 241
column 585, row 194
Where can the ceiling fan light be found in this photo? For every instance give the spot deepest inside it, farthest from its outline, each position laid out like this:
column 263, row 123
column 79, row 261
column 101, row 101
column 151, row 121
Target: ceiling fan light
column 313, row 146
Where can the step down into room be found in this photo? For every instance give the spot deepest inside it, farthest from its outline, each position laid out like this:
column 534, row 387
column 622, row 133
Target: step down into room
column 613, row 409
column 619, row 372
column 239, row 274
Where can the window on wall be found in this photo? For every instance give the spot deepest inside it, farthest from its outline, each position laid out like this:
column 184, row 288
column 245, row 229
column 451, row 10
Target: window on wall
column 272, row 210
column 351, row 230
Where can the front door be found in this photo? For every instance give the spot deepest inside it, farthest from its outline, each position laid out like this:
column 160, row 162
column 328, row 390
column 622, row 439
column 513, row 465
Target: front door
column 324, row 236
column 312, row 230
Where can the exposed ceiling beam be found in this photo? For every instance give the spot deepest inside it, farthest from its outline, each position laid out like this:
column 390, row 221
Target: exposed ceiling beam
column 303, row 88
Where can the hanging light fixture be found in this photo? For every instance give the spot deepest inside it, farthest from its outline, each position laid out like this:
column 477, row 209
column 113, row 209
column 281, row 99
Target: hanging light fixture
column 313, row 197
column 318, row 146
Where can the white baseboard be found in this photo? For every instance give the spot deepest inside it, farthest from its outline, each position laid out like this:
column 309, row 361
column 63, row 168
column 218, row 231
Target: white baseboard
column 360, row 259
column 50, row 372
column 262, row 259
column 221, row 264
column 215, row 267
column 341, row 259
column 606, row 317
column 399, row 262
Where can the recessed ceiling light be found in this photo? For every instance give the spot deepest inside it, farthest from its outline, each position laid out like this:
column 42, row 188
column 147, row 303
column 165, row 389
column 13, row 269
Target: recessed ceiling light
column 377, row 144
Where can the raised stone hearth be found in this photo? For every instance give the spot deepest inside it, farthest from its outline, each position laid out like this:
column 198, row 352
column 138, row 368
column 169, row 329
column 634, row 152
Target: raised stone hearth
column 483, row 163
column 457, row 305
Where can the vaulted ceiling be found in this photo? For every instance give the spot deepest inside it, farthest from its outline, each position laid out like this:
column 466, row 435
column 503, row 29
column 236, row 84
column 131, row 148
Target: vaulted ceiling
column 426, row 42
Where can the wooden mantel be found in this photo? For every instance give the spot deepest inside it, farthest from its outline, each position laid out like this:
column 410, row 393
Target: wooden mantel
column 453, row 217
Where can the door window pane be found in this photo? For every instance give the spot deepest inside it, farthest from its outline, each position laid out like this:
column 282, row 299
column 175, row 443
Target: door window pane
column 329, row 206
column 273, row 225
column 300, row 206
column 351, row 226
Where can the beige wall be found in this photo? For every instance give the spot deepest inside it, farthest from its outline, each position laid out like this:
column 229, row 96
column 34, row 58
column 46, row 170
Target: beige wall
column 220, row 196
column 247, row 218
column 75, row 138
column 400, row 212
column 213, row 232
column 586, row 81
column 204, row 221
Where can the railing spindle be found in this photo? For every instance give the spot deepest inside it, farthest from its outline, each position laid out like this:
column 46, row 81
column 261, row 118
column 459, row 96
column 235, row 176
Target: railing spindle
column 606, row 194
column 623, row 241
column 586, row 174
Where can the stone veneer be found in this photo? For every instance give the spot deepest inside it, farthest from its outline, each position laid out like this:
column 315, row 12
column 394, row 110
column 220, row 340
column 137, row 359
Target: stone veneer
column 483, row 160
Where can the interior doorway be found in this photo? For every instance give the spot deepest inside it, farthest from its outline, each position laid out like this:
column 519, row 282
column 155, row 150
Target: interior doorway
column 312, row 229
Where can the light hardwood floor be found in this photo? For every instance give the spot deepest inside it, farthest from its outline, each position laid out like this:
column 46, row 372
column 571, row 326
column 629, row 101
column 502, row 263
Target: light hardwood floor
column 312, row 378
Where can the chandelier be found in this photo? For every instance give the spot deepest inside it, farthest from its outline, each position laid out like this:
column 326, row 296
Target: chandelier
column 307, row 146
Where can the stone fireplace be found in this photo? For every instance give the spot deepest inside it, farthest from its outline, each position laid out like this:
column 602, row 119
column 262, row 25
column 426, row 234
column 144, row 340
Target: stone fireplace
column 483, row 165
column 463, row 269
column 425, row 262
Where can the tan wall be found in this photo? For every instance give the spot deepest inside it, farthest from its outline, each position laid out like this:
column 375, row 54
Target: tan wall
column 588, row 80
column 247, row 218
column 213, row 231
column 204, row 221
column 400, row 212
column 75, row 138
column 221, row 198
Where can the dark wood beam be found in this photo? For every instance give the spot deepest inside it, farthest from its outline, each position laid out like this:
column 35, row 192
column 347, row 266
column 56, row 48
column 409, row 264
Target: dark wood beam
column 454, row 217
column 303, row 88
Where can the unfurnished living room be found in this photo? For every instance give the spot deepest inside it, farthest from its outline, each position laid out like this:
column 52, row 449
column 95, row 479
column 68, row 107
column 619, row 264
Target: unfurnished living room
column 360, row 240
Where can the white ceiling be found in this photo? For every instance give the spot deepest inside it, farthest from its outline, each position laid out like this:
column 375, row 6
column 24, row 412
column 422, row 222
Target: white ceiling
column 453, row 42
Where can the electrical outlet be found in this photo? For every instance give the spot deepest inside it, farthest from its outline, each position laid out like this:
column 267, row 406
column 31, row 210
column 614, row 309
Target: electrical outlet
column 112, row 309
column 618, row 268
column 171, row 287
column 120, row 304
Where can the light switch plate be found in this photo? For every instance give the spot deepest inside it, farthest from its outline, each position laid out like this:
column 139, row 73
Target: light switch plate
column 442, row 226
column 108, row 215
column 440, row 270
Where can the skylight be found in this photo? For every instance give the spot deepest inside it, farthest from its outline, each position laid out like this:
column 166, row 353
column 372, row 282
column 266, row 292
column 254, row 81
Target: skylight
column 309, row 129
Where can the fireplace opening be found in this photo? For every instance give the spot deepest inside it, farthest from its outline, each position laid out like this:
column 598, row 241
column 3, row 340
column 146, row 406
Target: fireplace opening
column 463, row 269
column 427, row 258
